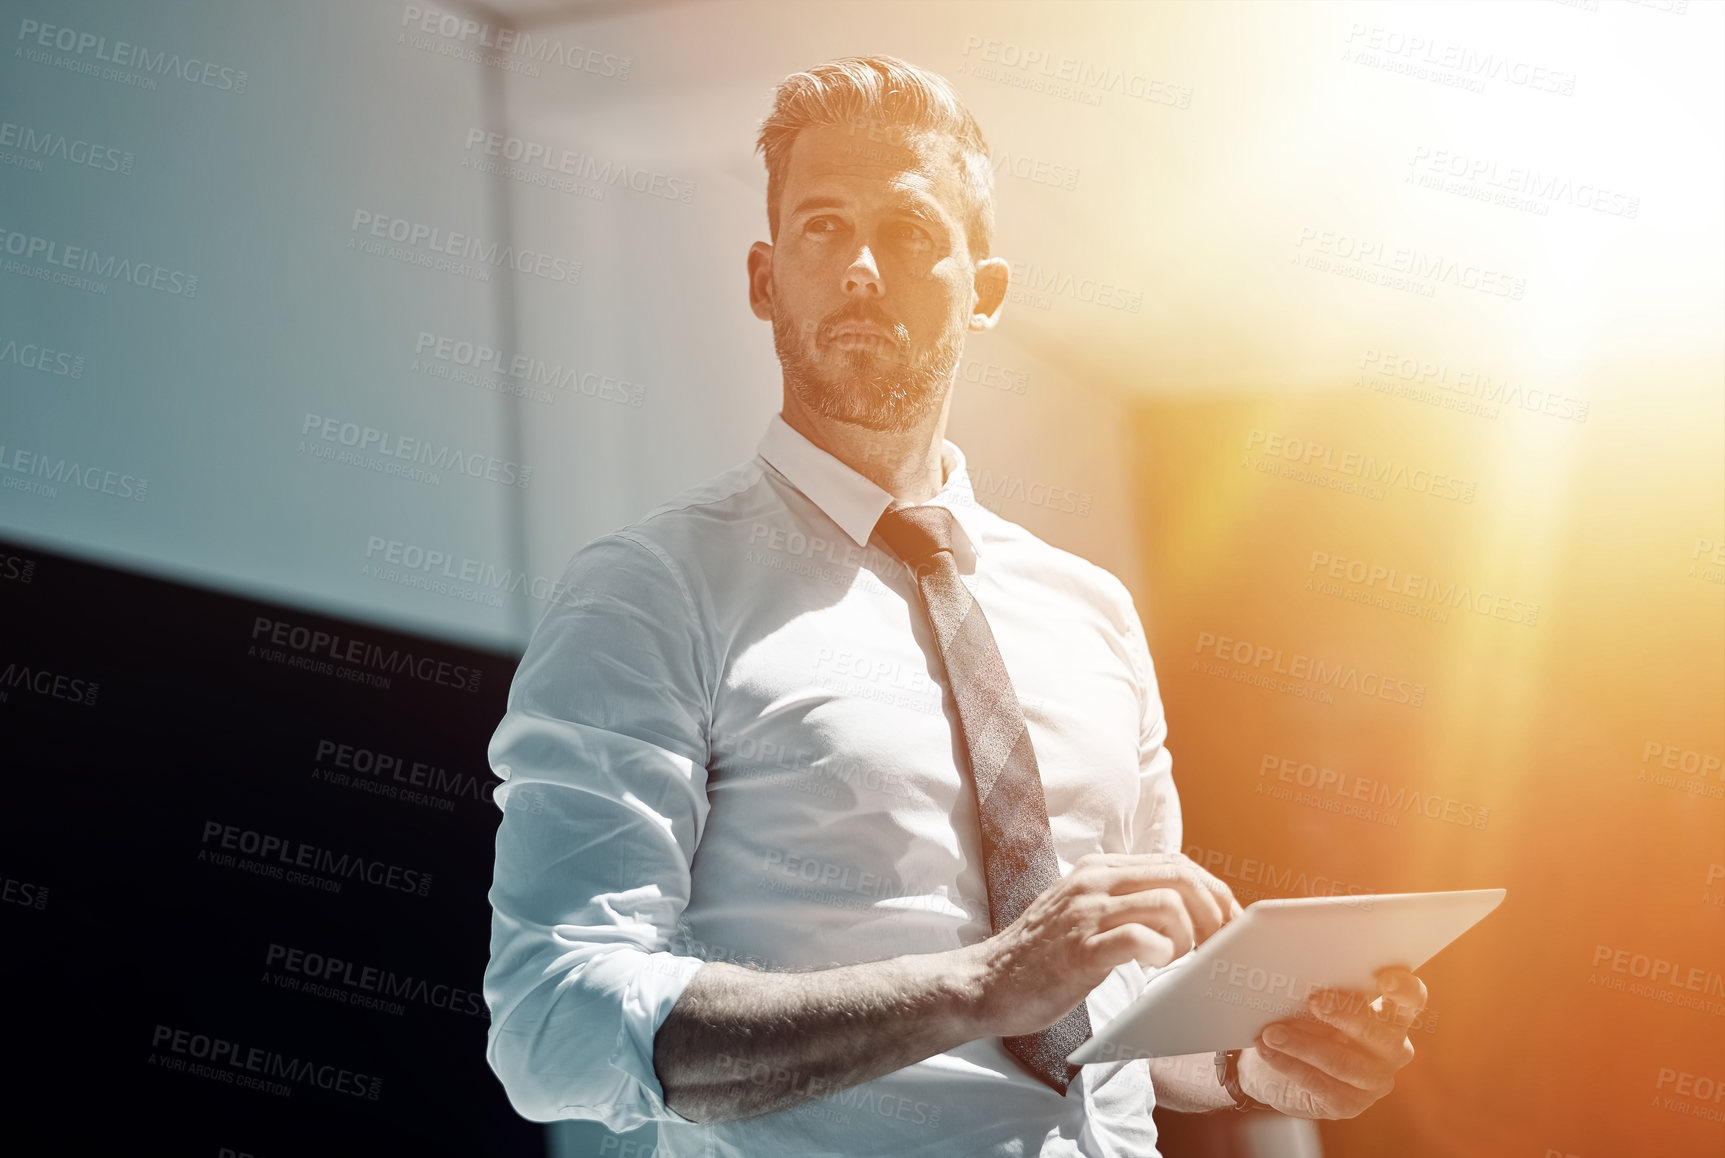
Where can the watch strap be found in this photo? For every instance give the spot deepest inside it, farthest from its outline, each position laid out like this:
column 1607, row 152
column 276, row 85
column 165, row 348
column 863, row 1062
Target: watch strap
column 1228, row 1074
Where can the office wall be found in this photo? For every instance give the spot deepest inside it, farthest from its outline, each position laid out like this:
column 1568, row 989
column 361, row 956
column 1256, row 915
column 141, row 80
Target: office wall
column 286, row 350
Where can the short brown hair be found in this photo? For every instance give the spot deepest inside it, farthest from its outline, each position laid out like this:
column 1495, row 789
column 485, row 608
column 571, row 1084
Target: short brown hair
column 879, row 90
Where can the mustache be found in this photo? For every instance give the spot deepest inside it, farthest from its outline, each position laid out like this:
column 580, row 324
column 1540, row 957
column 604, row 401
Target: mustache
column 859, row 314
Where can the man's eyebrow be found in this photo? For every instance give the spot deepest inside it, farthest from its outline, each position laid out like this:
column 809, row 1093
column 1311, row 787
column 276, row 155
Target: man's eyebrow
column 919, row 208
column 913, row 206
column 809, row 203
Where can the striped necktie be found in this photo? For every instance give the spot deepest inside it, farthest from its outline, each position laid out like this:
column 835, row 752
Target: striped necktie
column 1017, row 844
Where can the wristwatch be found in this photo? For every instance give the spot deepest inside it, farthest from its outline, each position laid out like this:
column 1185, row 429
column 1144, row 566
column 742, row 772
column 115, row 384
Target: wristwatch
column 1228, row 1073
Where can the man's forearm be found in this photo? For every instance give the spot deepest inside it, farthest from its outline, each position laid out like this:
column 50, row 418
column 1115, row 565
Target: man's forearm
column 1188, row 1083
column 742, row 1042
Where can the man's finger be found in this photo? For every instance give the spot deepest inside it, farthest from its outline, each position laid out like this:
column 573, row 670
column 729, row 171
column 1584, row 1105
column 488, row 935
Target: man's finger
column 1216, row 886
column 1346, row 1061
column 1353, row 1013
column 1313, row 1092
column 1166, row 910
column 1133, row 941
column 1206, row 911
column 1143, row 866
column 1404, row 989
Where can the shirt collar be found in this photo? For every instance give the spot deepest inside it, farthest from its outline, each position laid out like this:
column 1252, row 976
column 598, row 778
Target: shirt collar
column 855, row 503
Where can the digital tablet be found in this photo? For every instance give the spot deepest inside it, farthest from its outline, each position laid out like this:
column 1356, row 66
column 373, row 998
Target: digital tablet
column 1261, row 966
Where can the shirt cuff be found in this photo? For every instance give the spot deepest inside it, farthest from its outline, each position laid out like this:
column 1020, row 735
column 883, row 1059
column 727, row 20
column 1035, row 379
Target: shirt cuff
column 653, row 988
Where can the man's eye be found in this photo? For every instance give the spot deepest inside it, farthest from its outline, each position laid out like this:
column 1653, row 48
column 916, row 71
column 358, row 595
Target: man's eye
column 822, row 225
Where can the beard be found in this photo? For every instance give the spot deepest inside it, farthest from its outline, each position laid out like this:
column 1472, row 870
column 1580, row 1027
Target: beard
column 885, row 385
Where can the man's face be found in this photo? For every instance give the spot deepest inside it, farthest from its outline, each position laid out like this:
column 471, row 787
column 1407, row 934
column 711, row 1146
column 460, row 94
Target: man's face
column 872, row 286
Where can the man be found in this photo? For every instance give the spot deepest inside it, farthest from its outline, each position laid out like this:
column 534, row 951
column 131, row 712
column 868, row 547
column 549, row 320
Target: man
column 836, row 808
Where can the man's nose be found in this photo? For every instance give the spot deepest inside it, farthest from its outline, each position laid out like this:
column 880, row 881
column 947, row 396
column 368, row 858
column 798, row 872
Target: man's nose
column 863, row 272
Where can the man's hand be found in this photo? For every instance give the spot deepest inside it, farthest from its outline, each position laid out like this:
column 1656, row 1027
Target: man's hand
column 1337, row 1065
column 740, row 1042
column 1112, row 907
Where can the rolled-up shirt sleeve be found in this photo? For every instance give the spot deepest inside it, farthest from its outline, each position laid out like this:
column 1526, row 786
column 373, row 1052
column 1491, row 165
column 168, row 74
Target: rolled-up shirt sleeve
column 602, row 751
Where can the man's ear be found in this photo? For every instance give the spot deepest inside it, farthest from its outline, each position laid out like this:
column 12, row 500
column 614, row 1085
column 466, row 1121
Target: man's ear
column 992, row 276
column 761, row 280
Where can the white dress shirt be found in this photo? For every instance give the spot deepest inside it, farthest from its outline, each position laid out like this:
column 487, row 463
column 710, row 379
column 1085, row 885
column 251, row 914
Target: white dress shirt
column 731, row 741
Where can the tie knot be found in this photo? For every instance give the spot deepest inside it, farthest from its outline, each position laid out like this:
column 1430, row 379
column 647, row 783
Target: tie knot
column 917, row 534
